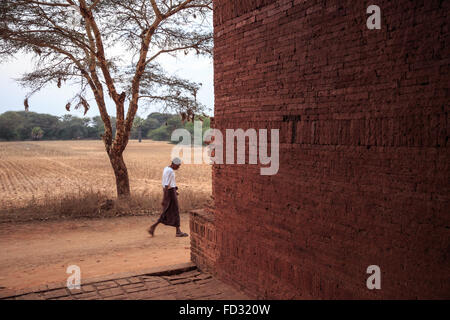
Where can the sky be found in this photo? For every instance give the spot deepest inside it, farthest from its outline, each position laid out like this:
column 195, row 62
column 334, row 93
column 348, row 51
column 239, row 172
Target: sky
column 52, row 100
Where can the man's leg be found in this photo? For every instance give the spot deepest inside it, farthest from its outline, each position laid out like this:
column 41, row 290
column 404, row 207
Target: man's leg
column 180, row 233
column 164, row 205
column 152, row 228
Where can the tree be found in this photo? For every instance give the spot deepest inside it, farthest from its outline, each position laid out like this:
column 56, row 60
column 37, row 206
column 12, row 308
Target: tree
column 9, row 124
column 37, row 133
column 18, row 125
column 74, row 40
column 150, row 124
column 160, row 117
column 98, row 126
column 73, row 127
column 137, row 125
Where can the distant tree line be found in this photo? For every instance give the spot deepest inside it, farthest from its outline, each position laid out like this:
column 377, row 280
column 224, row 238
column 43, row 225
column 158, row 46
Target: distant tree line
column 23, row 125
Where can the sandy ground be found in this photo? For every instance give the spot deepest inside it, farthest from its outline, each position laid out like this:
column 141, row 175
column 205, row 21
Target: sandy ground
column 39, row 252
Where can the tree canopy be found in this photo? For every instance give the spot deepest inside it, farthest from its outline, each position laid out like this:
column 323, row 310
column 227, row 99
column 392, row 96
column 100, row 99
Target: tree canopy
column 19, row 125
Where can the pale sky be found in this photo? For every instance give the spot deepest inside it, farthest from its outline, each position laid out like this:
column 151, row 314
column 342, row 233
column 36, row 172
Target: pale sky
column 52, row 100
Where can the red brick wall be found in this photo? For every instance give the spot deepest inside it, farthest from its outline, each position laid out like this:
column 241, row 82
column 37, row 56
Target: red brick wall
column 203, row 240
column 364, row 179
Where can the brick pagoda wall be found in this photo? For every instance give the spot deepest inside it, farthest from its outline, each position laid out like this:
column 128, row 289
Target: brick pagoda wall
column 203, row 239
column 364, row 172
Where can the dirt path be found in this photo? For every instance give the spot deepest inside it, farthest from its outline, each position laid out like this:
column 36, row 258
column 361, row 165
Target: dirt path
column 38, row 253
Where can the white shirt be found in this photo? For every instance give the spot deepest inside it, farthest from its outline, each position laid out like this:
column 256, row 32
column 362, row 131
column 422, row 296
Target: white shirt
column 168, row 178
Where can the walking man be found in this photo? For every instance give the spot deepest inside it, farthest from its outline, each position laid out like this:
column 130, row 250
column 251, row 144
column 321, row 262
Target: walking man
column 171, row 214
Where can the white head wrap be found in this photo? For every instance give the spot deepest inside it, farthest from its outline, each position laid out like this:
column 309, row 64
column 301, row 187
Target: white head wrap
column 176, row 161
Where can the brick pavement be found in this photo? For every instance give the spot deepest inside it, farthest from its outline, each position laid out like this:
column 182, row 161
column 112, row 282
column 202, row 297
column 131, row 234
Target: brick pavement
column 178, row 282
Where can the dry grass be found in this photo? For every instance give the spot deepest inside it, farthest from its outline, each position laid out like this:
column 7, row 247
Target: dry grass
column 53, row 179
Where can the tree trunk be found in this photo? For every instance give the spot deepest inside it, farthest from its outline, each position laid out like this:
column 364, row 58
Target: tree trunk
column 140, row 134
column 121, row 173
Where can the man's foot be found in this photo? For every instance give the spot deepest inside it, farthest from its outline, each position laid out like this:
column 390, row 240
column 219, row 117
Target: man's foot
column 182, row 234
column 151, row 230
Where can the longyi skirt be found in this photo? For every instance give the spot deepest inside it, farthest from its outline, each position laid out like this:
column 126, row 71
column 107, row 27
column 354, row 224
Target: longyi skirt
column 171, row 214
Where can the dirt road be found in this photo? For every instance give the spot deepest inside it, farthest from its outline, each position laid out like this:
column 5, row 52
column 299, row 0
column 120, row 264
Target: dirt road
column 37, row 253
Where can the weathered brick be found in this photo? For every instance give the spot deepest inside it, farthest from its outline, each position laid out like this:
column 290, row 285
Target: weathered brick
column 56, row 293
column 111, row 292
column 87, row 288
column 105, row 285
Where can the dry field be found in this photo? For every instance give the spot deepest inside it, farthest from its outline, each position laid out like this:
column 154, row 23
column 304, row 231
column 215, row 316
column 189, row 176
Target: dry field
column 49, row 179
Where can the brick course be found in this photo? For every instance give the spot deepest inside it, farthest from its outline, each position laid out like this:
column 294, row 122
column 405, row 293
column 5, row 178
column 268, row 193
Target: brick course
column 364, row 172
column 203, row 240
column 173, row 282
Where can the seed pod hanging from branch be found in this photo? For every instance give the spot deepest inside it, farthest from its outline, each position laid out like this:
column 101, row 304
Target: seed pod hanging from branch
column 82, row 103
column 190, row 115
column 183, row 117
column 85, row 105
column 37, row 50
column 25, row 103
